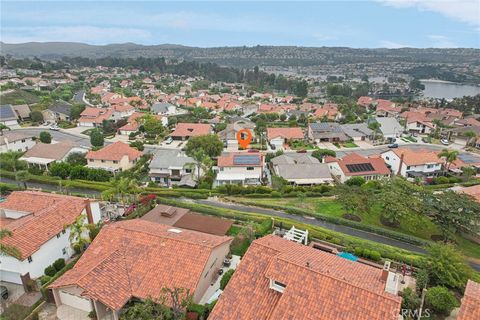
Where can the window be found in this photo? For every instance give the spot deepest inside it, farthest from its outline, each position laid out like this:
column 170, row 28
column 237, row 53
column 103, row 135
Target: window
column 115, row 161
column 63, row 231
column 430, row 166
column 250, row 168
column 64, row 251
column 387, row 158
column 103, row 161
column 23, row 140
column 188, row 170
column 408, row 167
column 58, row 235
column 277, row 286
column 29, row 259
column 90, row 160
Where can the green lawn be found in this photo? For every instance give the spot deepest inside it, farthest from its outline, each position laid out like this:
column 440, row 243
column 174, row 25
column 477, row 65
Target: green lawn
column 420, row 227
column 349, row 145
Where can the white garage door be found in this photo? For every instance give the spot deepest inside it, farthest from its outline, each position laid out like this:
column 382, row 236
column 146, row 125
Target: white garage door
column 9, row 276
column 75, row 301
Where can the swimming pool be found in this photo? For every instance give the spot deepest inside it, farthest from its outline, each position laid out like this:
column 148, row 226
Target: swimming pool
column 348, row 256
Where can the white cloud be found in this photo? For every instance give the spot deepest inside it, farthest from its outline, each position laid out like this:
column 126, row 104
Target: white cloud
column 86, row 34
column 467, row 11
column 439, row 41
column 392, row 45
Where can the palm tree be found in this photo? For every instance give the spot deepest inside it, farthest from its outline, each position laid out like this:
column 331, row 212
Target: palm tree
column 5, row 249
column 121, row 188
column 3, row 127
column 22, row 176
column 203, row 163
column 78, row 229
column 11, row 161
column 374, row 126
column 449, row 155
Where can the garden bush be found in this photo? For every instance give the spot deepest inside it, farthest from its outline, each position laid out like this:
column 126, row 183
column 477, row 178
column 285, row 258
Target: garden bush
column 44, row 279
column 440, row 300
column 275, row 194
column 59, row 264
column 226, row 278
column 410, row 300
column 422, row 279
column 50, row 271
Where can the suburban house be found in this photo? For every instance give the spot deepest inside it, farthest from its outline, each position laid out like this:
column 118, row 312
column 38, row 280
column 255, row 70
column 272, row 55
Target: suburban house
column 413, row 163
column 357, row 131
column 60, row 110
column 16, row 141
column 365, row 102
column 173, row 167
column 470, row 306
column 136, row 259
column 229, row 134
column 163, row 108
column 114, row 157
column 43, row 154
column 183, row 131
column 386, row 108
column 355, row 165
column 279, row 137
column 416, row 122
column 94, row 117
column 8, row 116
column 460, row 136
column 240, row 168
column 389, row 127
column 22, row 111
column 39, row 223
column 328, row 111
column 326, row 132
column 121, row 111
column 185, row 219
column 282, row 279
column 135, row 120
column 301, row 169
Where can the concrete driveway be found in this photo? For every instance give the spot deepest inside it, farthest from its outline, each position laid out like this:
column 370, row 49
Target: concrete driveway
column 15, row 291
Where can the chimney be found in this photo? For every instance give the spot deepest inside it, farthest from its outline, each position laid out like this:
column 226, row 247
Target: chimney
column 385, row 271
column 400, row 165
column 88, row 208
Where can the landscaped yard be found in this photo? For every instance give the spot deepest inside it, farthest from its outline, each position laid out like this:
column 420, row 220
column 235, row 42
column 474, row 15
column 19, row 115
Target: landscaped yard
column 301, row 145
column 420, row 227
column 349, row 145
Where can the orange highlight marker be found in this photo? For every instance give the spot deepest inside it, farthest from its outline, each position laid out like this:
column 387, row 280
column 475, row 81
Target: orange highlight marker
column 244, row 142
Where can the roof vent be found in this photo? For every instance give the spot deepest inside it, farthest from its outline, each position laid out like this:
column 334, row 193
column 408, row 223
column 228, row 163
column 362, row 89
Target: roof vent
column 173, row 230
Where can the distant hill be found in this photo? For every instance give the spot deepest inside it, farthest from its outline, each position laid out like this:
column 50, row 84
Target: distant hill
column 244, row 56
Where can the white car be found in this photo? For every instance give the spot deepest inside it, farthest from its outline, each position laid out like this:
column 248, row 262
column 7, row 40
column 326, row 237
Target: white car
column 445, row 142
column 169, row 140
column 55, row 127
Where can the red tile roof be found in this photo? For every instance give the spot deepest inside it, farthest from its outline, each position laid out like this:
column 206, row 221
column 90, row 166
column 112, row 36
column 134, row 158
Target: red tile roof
column 228, row 160
column 115, row 151
column 474, row 191
column 49, row 213
column 319, row 286
column 417, row 157
column 470, row 308
column 138, row 258
column 191, row 130
column 365, row 101
column 378, row 164
column 286, row 133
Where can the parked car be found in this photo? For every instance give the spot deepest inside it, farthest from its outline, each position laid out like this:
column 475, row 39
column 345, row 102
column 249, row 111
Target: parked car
column 302, row 151
column 55, row 127
column 445, row 142
column 4, row 292
column 393, row 145
column 169, row 140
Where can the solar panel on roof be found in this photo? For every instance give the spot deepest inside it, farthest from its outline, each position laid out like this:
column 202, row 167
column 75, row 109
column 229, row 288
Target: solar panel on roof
column 6, row 111
column 468, row 158
column 246, row 159
column 360, row 167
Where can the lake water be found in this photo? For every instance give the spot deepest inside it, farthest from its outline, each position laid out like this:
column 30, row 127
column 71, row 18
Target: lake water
column 448, row 90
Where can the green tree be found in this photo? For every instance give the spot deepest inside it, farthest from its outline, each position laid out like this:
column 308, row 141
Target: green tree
column 22, row 176
column 374, row 126
column 3, row 128
column 121, row 188
column 210, row 144
column 6, row 249
column 322, row 153
column 60, row 169
column 45, row 137
column 353, row 198
column 202, row 165
column 11, row 161
column 440, row 300
column 76, row 158
column 78, row 229
column 147, row 310
column 355, row 181
column 471, row 135
column 446, row 267
column 152, row 125
column 76, row 110
column 96, row 138
column 449, row 156
column 454, row 212
column 36, row 116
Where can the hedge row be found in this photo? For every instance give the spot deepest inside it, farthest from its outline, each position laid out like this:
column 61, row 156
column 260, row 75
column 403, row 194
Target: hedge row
column 336, row 220
column 69, row 266
column 317, row 232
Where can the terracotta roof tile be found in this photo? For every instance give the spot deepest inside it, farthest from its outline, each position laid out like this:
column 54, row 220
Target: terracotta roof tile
column 48, row 214
column 138, row 258
column 191, row 130
column 470, row 308
column 417, row 157
column 228, row 160
column 378, row 164
column 115, row 151
column 319, row 286
column 286, row 133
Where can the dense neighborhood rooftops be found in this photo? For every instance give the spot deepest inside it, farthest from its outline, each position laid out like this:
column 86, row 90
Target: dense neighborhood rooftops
column 389, row 126
column 191, row 130
column 137, row 258
column 470, row 307
column 115, row 152
column 317, row 285
column 240, row 160
column 356, row 130
column 294, row 158
column 285, row 133
column 354, row 164
column 417, row 157
column 43, row 216
column 54, row 151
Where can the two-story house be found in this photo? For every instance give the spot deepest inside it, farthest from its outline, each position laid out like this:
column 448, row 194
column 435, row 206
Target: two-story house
column 39, row 223
column 240, row 168
column 169, row 167
column 413, row 163
column 115, row 157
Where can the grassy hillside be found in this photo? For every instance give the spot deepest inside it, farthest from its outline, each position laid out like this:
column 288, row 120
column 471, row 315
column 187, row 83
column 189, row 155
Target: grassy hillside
column 17, row 96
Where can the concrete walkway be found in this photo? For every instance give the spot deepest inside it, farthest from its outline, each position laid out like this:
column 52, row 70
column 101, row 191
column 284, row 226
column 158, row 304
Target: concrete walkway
column 65, row 312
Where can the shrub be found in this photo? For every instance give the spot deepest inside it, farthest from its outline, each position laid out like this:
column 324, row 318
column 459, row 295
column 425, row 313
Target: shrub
column 275, row 194
column 198, row 308
column 45, row 137
column 358, row 252
column 422, row 279
column 50, row 271
column 440, row 300
column 226, row 278
column 59, row 264
column 355, row 181
column 44, row 279
column 410, row 299
column 96, row 138
column 375, row 255
column 77, row 248
column 440, row 180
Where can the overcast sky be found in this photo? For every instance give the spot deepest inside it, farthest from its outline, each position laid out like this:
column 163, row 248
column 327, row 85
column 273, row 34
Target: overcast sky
column 359, row 24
